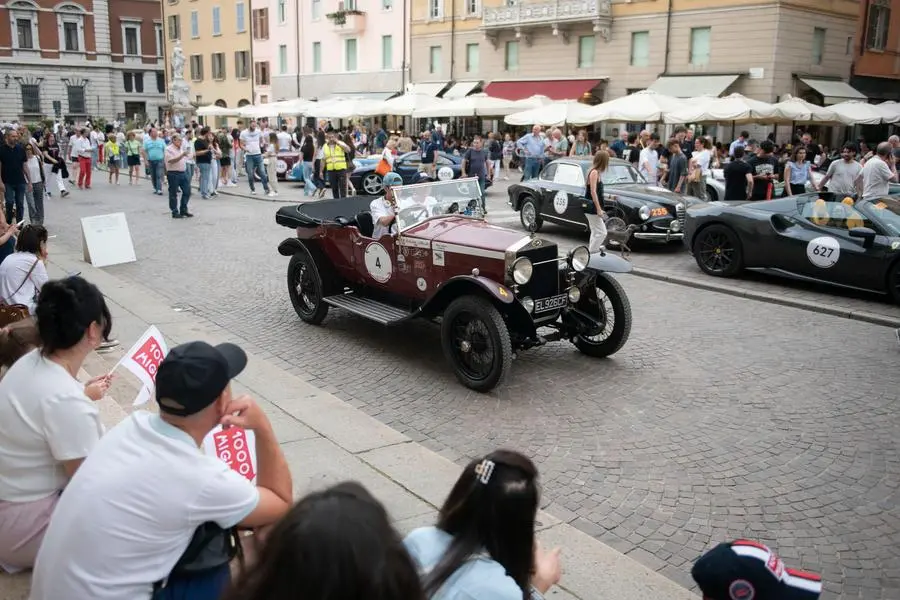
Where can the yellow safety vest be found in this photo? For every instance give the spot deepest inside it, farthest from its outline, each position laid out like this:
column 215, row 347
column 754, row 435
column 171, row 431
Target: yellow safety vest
column 335, row 160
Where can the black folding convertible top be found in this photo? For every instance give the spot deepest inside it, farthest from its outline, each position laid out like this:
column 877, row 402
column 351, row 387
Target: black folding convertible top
column 313, row 214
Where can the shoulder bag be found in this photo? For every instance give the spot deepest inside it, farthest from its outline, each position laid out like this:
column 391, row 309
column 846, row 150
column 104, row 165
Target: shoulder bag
column 10, row 313
column 384, row 167
column 210, row 548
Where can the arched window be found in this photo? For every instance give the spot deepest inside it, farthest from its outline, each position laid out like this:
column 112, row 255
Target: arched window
column 70, row 26
column 243, row 102
column 221, row 104
column 23, row 18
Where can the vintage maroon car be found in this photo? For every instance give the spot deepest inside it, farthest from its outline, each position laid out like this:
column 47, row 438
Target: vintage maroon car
column 285, row 161
column 494, row 290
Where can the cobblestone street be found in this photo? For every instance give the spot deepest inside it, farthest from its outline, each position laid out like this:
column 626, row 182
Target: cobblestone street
column 722, row 417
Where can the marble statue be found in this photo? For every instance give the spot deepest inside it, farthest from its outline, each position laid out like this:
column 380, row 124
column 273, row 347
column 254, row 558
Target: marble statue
column 181, row 92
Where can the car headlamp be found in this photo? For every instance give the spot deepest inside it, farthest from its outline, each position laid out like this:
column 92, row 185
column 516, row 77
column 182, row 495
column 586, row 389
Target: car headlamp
column 644, row 212
column 528, row 303
column 522, row 270
column 579, row 258
column 574, row 294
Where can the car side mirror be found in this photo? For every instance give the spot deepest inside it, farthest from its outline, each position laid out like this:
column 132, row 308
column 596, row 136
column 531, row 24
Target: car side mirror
column 867, row 235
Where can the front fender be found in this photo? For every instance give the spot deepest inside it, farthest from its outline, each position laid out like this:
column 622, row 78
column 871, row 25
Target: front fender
column 455, row 287
column 608, row 263
column 290, row 247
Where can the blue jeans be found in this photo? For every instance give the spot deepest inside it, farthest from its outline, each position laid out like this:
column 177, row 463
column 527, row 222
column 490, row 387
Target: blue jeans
column 309, row 187
column 156, row 174
column 482, row 180
column 205, row 169
column 15, row 197
column 532, row 168
column 202, row 586
column 255, row 165
column 95, row 156
column 178, row 180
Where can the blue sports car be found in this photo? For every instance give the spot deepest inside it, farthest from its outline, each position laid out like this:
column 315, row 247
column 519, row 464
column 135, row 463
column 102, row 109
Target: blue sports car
column 368, row 182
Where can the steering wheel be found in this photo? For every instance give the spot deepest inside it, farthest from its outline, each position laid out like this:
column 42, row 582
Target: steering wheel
column 413, row 214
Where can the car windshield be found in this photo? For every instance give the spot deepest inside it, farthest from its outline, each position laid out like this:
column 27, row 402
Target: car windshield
column 616, row 173
column 887, row 211
column 420, row 201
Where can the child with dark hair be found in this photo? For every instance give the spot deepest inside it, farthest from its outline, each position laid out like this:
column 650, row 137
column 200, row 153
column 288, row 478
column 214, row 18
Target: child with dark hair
column 484, row 544
column 47, row 423
column 23, row 273
column 334, row 545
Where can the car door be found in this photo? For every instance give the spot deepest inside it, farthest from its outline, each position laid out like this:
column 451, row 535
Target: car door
column 376, row 264
column 568, row 200
column 407, row 166
column 547, row 190
column 815, row 242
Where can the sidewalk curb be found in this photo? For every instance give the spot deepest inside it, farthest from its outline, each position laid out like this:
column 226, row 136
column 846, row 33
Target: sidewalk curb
column 337, row 440
column 827, row 309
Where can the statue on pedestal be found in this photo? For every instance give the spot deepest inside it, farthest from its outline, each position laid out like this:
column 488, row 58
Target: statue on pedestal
column 181, row 92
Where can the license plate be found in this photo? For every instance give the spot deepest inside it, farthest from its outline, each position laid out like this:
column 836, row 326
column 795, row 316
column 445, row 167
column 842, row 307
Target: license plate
column 551, row 303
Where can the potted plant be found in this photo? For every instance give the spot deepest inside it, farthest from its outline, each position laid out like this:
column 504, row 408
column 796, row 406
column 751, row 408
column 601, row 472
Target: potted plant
column 340, row 17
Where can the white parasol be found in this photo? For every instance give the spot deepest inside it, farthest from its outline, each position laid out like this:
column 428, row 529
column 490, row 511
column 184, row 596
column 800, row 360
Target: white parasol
column 645, row 106
column 734, row 108
column 556, row 113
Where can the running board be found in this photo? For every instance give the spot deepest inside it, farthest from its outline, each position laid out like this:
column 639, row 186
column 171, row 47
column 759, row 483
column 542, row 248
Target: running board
column 368, row 308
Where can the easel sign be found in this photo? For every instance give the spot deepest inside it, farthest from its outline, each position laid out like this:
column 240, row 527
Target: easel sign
column 106, row 240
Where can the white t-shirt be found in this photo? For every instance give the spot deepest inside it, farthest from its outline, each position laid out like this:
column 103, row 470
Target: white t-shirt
column 387, row 155
column 379, row 207
column 13, row 272
column 284, row 141
column 135, row 504
column 702, row 159
column 843, row 176
column 45, row 419
column 876, row 178
column 251, row 140
column 34, row 169
column 649, row 159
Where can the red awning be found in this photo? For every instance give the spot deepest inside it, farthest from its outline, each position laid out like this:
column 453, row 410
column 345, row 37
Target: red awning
column 555, row 89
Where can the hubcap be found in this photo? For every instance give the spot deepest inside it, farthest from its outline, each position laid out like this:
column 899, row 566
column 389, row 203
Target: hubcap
column 474, row 348
column 305, row 289
column 528, row 213
column 372, row 184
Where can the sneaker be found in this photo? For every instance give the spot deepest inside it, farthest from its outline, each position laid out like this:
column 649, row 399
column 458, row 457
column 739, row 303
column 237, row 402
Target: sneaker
column 107, row 345
column 187, row 214
column 204, row 196
column 232, row 185
column 64, row 193
column 214, row 194
column 271, row 194
column 177, row 216
column 506, row 178
column 253, row 192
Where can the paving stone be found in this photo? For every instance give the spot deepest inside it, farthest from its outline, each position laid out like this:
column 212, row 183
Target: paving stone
column 717, row 405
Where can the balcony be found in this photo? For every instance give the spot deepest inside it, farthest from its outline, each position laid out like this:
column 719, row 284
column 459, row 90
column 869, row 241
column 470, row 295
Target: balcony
column 347, row 22
column 550, row 13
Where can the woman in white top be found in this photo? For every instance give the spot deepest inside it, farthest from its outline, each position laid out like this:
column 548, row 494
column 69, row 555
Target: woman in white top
column 47, row 423
column 700, row 168
column 388, row 152
column 23, row 273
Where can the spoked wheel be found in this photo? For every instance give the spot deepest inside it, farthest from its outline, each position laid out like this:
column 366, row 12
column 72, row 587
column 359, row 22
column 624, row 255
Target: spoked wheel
column 604, row 300
column 476, row 342
column 306, row 289
column 894, row 281
column 528, row 214
column 372, row 184
column 717, row 251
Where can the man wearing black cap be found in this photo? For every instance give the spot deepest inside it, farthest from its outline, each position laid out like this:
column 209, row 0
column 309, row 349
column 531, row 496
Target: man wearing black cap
column 123, row 523
column 746, row 570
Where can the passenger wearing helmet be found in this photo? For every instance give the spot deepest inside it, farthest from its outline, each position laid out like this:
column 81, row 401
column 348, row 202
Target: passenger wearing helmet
column 382, row 209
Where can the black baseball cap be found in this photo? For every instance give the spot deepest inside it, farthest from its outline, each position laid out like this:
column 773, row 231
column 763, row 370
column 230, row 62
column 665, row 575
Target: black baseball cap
column 746, row 570
column 193, row 375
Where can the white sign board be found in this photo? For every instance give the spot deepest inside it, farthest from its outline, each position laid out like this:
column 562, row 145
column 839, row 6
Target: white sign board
column 106, row 240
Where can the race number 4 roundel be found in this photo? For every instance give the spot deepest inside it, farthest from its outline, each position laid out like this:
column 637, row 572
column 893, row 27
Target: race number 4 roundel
column 445, row 174
column 560, row 202
column 823, row 252
column 378, row 263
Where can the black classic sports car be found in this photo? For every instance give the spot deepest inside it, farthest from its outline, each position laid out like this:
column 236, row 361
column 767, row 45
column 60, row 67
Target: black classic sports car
column 557, row 196
column 821, row 237
column 368, row 182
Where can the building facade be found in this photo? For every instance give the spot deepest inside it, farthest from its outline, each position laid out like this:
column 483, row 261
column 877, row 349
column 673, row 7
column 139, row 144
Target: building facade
column 350, row 50
column 876, row 66
column 215, row 38
column 79, row 58
column 597, row 50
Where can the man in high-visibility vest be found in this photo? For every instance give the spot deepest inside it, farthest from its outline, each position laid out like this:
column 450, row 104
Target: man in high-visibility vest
column 334, row 162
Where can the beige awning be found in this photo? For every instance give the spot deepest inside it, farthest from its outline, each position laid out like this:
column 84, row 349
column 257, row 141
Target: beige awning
column 460, row 89
column 832, row 91
column 690, row 86
column 428, row 89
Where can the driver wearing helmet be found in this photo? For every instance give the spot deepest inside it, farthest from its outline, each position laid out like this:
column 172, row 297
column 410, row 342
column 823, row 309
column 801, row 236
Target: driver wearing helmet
column 382, row 209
